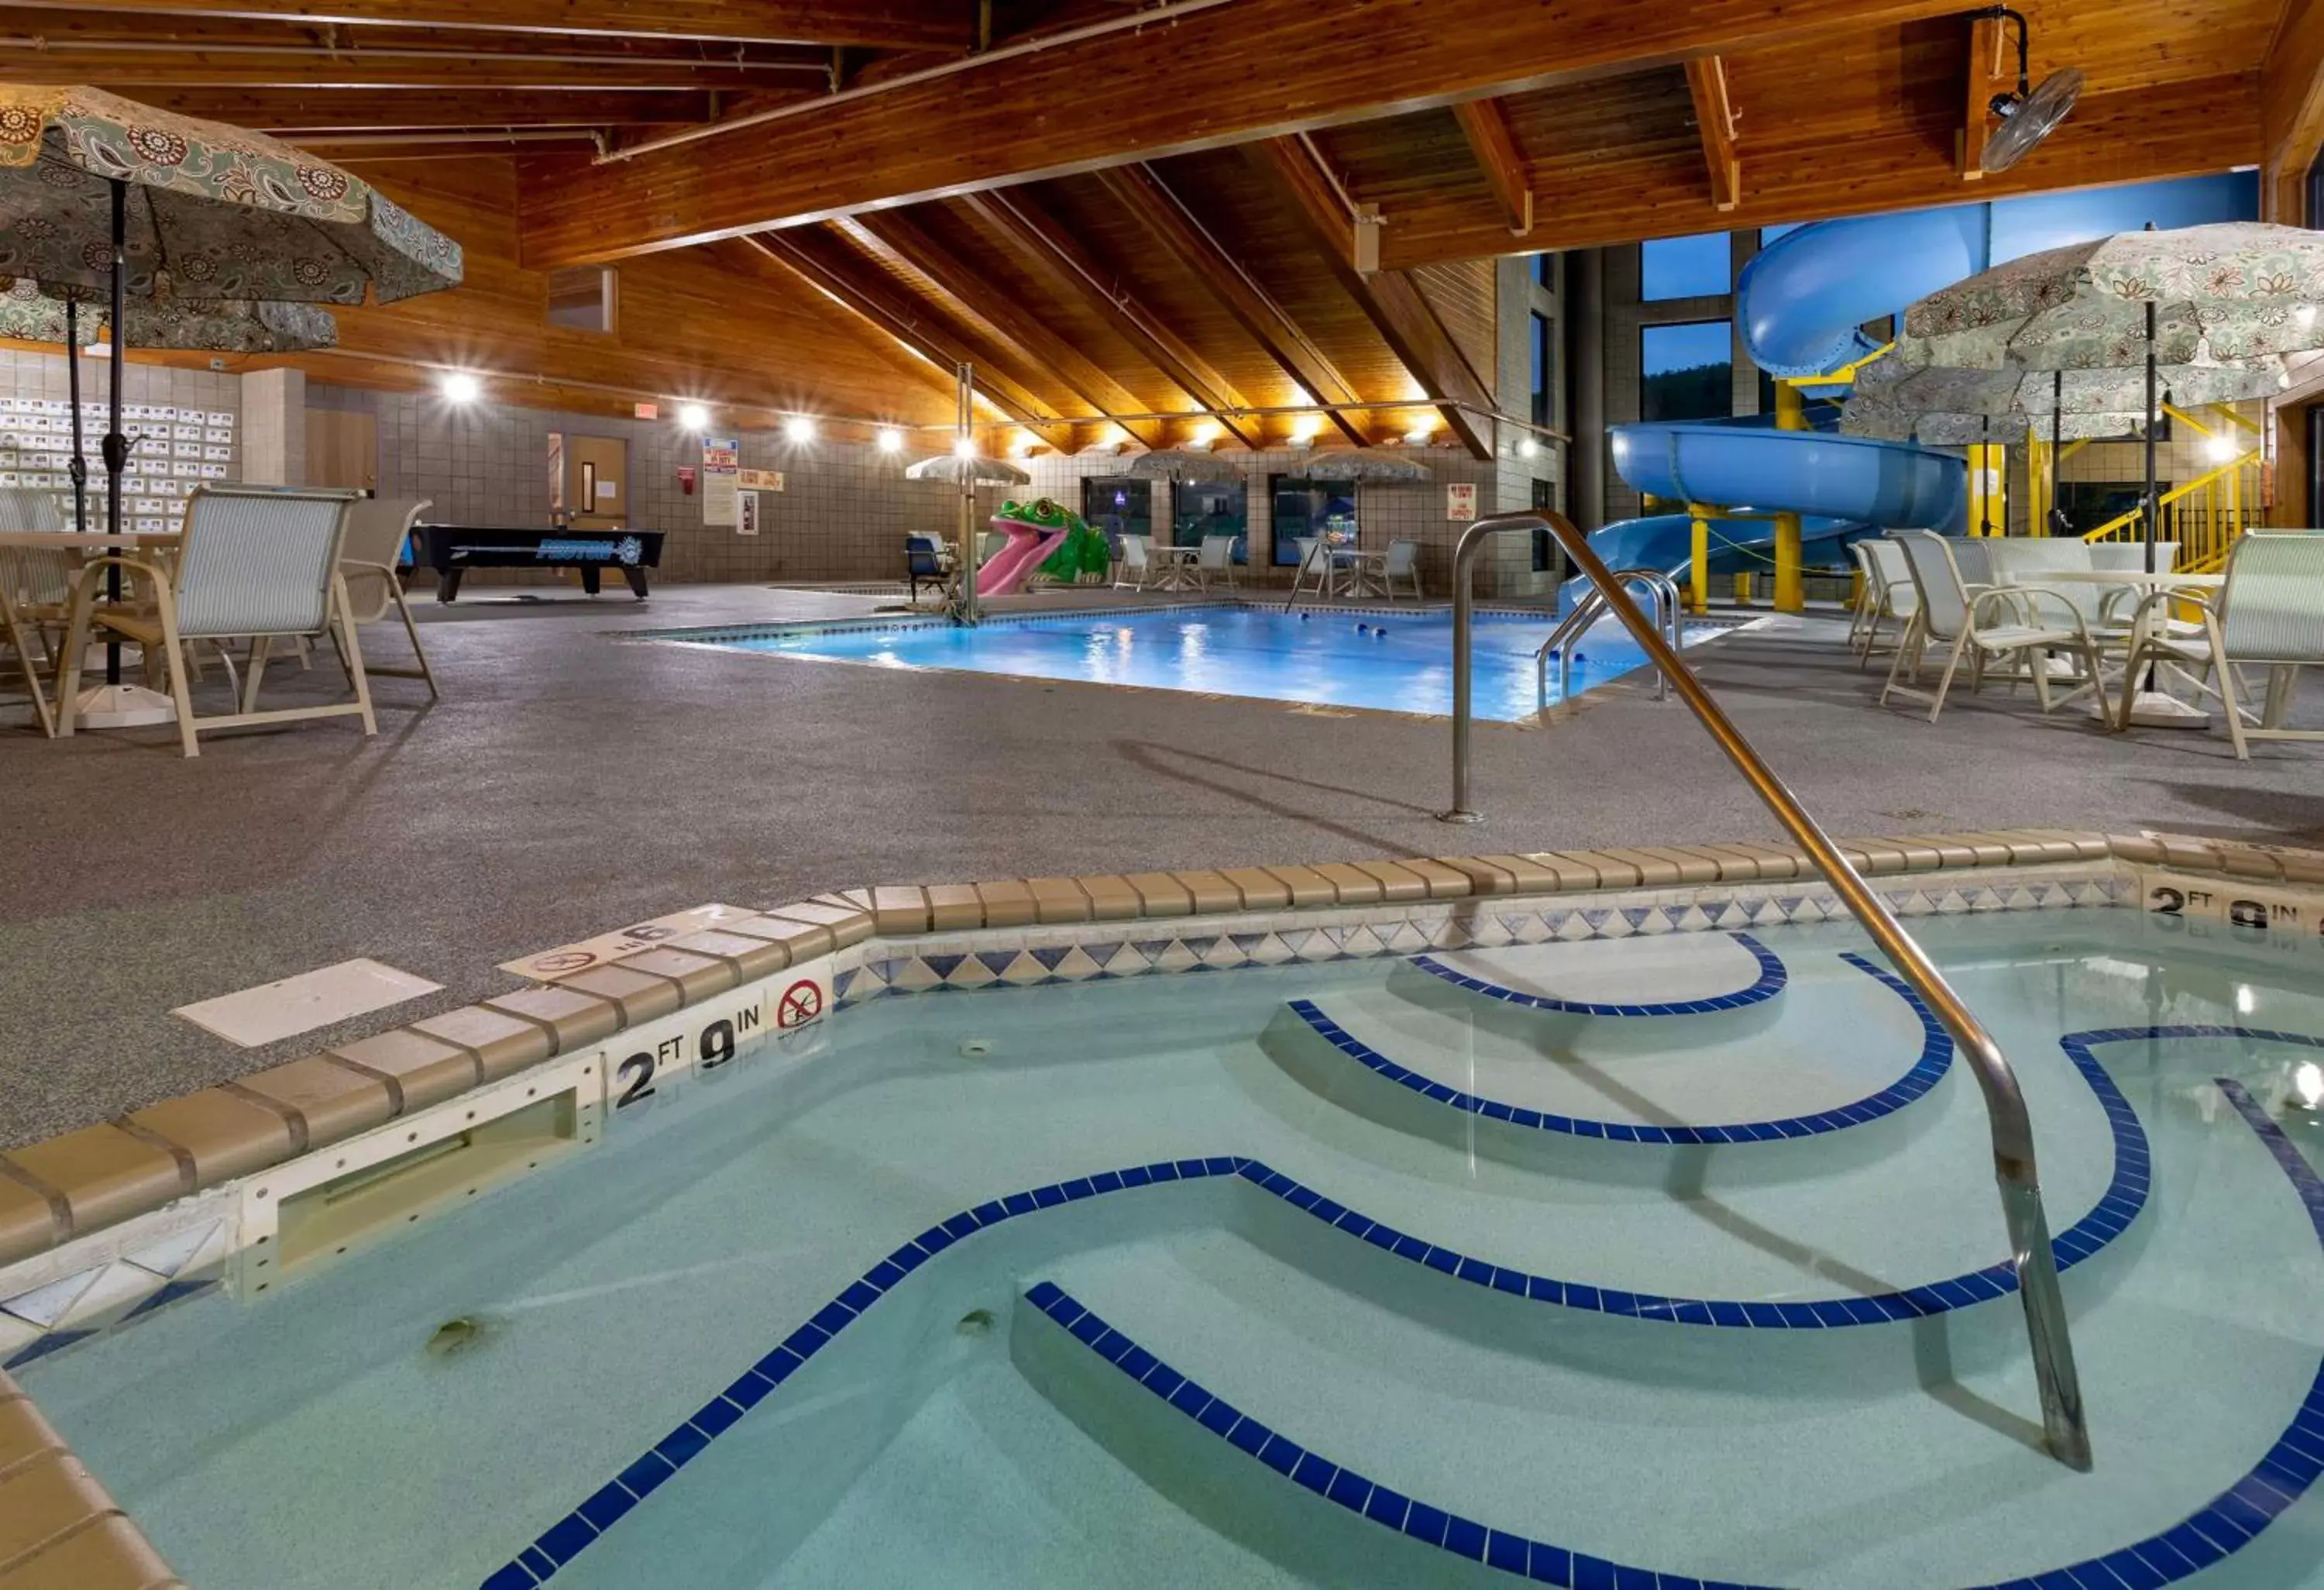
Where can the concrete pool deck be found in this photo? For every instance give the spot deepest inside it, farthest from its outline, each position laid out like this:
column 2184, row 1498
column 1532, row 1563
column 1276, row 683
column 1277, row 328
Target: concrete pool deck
column 567, row 785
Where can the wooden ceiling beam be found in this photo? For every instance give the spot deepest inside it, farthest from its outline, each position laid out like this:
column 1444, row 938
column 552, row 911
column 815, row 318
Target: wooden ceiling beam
column 1990, row 71
column 2291, row 111
column 23, row 60
column 827, row 264
column 1004, row 314
column 291, row 112
column 1140, row 190
column 899, row 24
column 1018, row 219
column 1714, row 121
column 1487, row 129
column 966, row 132
column 1391, row 299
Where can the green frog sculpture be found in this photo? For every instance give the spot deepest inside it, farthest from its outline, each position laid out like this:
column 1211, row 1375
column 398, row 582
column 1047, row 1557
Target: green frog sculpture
column 1045, row 537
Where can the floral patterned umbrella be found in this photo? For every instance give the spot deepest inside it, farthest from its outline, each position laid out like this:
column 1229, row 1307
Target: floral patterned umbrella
column 2219, row 292
column 32, row 312
column 1896, row 400
column 227, row 213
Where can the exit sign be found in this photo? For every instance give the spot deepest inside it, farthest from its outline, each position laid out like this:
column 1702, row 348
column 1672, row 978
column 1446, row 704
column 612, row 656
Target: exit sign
column 647, row 411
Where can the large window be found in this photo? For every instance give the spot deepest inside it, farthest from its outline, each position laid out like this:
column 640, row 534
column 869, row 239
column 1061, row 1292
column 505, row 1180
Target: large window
column 1769, row 234
column 1118, row 505
column 1545, row 269
column 1204, row 508
column 1684, row 267
column 1544, row 371
column 1687, row 370
column 1311, row 508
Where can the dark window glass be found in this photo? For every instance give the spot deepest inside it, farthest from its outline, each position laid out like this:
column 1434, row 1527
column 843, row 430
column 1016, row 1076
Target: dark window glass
column 1303, row 507
column 1544, row 271
column 1683, row 267
column 1769, row 234
column 1544, row 371
column 1687, row 370
column 1201, row 508
column 1544, row 549
column 1118, row 505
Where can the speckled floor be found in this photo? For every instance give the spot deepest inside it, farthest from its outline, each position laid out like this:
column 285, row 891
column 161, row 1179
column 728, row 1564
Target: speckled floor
column 569, row 784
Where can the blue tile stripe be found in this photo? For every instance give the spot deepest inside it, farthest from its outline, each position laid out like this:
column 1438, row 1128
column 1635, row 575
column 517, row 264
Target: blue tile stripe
column 2233, row 1519
column 1928, row 1069
column 1770, row 983
column 720, row 633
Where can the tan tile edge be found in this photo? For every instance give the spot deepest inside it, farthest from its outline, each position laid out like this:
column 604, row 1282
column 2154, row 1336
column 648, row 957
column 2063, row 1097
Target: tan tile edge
column 110, row 1542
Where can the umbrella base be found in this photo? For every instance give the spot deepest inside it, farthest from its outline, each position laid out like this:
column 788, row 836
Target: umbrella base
column 121, row 707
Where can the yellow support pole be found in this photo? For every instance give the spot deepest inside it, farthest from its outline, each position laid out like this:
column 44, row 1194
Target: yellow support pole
column 1698, row 579
column 1988, row 487
column 1791, row 591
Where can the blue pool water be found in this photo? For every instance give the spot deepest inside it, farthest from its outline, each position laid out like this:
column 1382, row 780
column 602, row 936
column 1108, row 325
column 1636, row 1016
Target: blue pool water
column 1387, row 662
column 1231, row 1280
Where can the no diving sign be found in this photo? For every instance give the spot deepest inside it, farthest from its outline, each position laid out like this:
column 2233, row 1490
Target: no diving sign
column 548, row 965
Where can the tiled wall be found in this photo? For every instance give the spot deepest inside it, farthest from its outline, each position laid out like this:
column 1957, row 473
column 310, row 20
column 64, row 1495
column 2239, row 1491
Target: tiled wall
column 27, row 375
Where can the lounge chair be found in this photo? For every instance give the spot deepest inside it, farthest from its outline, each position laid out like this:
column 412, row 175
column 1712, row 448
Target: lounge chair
column 2269, row 613
column 1135, row 566
column 260, row 563
column 35, row 595
column 376, row 527
column 1894, row 601
column 1402, row 563
column 1216, row 561
column 926, row 561
column 1978, row 621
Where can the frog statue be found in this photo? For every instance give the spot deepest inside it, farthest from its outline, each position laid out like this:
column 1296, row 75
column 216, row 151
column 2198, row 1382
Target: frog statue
column 1045, row 537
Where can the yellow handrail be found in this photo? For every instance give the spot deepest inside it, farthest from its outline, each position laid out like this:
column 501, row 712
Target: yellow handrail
column 2203, row 516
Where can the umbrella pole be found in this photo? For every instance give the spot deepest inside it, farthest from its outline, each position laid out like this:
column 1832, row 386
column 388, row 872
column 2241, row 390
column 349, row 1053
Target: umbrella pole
column 2057, row 451
column 79, row 468
column 116, row 446
column 965, row 378
column 2150, row 515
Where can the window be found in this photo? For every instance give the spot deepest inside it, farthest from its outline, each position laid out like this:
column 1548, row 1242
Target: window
column 1769, row 234
column 582, row 297
column 1204, row 508
column 1303, row 507
column 1544, row 371
column 1544, row 273
column 1545, row 548
column 1684, row 267
column 1116, row 505
column 1687, row 370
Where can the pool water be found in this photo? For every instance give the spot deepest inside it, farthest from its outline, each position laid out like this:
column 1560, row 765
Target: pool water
column 1663, row 1262
column 1390, row 660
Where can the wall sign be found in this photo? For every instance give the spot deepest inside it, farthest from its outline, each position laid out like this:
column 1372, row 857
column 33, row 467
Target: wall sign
column 746, row 513
column 1461, row 499
column 722, row 463
column 760, row 480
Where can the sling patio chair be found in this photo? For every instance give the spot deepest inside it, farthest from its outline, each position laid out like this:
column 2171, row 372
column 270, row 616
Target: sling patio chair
column 2022, row 623
column 35, row 595
column 376, row 527
column 1402, row 563
column 1894, row 599
column 256, row 563
column 2268, row 614
column 1216, row 560
column 1135, row 567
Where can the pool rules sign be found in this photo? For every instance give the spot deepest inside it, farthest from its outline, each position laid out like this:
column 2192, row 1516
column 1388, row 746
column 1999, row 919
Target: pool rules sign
column 1461, row 499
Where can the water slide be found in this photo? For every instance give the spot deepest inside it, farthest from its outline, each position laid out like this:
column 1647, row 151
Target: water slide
column 1800, row 303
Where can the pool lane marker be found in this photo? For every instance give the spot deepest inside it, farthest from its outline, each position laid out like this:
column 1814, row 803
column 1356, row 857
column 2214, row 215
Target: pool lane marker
column 1769, row 984
column 2125, row 1195
column 1927, row 1070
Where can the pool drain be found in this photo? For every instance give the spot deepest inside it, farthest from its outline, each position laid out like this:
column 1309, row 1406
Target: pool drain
column 976, row 1322
column 975, row 1048
column 455, row 1336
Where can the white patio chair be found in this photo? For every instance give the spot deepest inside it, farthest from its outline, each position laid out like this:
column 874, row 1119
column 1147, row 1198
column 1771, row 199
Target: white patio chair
column 1860, row 611
column 2269, row 613
column 35, row 595
column 1216, row 560
column 1314, row 559
column 1402, row 563
column 1975, row 623
column 376, row 527
column 1135, row 567
column 259, row 563
column 1894, row 602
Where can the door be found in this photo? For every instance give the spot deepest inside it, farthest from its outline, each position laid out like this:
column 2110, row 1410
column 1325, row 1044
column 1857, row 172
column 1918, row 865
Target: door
column 597, row 481
column 342, row 449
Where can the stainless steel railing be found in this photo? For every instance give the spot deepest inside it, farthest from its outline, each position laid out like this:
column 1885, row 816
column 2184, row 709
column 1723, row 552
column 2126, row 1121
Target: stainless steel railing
column 2013, row 1167
column 1660, row 590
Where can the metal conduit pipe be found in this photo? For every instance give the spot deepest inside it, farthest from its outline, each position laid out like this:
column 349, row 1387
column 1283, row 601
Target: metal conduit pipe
column 2014, row 1169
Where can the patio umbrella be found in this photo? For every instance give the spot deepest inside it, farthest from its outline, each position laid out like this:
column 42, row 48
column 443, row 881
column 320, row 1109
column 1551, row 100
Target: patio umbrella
column 31, row 313
column 1174, row 465
column 2147, row 301
column 973, row 469
column 1363, row 464
column 98, row 191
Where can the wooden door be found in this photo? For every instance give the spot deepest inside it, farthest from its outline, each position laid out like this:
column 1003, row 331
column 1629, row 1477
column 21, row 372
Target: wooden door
column 597, row 481
column 342, row 449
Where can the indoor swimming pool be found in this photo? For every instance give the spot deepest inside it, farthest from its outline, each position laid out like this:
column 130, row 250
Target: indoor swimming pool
column 1670, row 1261
column 1386, row 660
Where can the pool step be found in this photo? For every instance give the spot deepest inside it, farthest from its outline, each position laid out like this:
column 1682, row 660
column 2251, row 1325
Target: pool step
column 1275, row 1404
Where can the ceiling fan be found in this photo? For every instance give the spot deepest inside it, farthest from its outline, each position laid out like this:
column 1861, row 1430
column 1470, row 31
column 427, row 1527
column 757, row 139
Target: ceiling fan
column 2029, row 115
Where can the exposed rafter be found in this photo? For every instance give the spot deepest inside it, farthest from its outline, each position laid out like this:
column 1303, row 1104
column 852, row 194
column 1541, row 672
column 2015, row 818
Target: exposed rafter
column 828, row 265
column 1020, row 220
column 1006, row 316
column 292, row 111
column 1391, row 299
column 899, row 24
column 1142, row 192
column 1714, row 121
column 1989, row 73
column 1487, row 129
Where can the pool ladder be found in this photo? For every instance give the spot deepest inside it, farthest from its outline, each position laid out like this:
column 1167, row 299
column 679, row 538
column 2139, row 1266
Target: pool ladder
column 2065, row 1429
column 1661, row 591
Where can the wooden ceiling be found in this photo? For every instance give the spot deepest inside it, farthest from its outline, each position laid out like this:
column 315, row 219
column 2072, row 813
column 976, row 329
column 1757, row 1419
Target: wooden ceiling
column 1162, row 217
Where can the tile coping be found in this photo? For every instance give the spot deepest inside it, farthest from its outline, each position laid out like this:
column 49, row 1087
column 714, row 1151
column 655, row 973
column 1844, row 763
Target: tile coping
column 2299, row 1455
column 68, row 1187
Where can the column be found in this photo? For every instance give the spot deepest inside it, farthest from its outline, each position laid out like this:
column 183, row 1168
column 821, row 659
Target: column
column 274, row 427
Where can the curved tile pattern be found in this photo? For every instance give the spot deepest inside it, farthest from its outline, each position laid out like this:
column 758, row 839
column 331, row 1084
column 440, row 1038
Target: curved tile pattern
column 1769, row 984
column 1936, row 1055
column 2125, row 1195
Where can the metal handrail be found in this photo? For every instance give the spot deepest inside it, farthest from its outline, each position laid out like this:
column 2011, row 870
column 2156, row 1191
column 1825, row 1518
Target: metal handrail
column 1592, row 606
column 2014, row 1165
